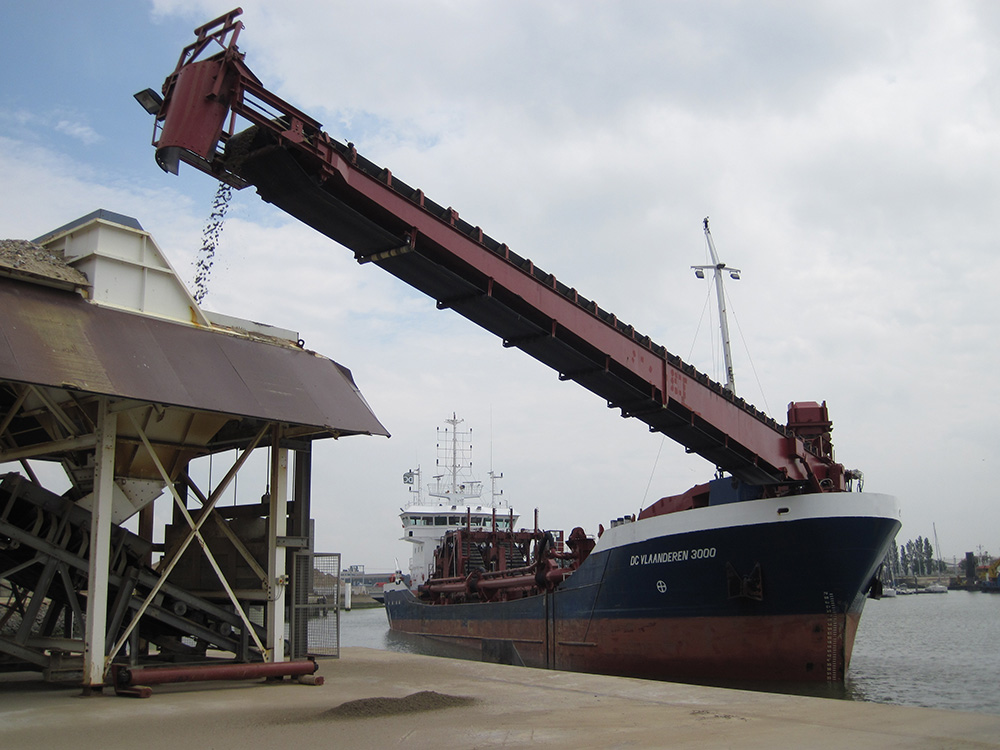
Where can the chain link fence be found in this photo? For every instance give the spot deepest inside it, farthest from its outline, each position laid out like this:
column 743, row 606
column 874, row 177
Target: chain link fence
column 314, row 627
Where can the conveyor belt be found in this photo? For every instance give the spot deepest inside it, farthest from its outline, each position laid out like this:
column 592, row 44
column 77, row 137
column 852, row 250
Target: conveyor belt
column 44, row 540
column 329, row 186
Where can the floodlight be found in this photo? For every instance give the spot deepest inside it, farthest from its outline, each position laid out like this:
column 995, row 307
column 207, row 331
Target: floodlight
column 150, row 101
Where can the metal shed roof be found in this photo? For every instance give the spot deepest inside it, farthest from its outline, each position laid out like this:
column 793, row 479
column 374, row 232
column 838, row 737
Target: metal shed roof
column 55, row 338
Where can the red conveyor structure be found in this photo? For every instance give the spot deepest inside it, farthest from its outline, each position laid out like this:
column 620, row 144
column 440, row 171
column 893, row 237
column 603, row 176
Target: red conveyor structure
column 217, row 116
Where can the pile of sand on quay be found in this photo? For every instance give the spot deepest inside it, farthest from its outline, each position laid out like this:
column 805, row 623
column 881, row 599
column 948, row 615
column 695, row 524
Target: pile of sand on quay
column 369, row 708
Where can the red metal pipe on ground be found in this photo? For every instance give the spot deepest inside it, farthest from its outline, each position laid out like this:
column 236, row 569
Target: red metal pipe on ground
column 126, row 676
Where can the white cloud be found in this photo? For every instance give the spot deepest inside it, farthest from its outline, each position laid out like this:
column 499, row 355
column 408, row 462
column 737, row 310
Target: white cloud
column 50, row 188
column 34, row 125
column 83, row 133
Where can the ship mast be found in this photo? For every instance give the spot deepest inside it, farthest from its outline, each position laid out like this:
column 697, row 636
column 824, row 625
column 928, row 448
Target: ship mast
column 455, row 482
column 734, row 273
column 454, row 422
column 411, row 476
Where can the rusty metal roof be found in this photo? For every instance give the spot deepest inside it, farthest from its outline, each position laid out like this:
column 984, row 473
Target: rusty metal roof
column 55, row 338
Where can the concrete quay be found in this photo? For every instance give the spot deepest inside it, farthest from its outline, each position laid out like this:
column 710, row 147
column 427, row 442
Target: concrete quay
column 462, row 704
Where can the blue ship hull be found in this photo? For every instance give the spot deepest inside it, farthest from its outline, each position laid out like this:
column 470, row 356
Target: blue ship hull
column 761, row 590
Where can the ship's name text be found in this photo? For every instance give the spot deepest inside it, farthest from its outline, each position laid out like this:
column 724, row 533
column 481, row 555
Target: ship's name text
column 679, row 555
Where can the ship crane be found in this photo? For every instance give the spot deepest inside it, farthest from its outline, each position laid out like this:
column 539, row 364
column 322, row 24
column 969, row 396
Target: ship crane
column 216, row 116
column 719, row 270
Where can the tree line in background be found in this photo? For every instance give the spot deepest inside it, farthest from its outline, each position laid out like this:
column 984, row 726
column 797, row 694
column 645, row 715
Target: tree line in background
column 914, row 558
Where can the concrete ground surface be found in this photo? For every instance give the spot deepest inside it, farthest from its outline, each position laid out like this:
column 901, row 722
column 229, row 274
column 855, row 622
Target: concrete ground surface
column 459, row 704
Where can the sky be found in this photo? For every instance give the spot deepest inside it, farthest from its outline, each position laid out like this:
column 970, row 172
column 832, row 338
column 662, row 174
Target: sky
column 846, row 152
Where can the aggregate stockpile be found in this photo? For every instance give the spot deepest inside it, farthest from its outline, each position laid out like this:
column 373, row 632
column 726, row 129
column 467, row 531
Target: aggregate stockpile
column 760, row 574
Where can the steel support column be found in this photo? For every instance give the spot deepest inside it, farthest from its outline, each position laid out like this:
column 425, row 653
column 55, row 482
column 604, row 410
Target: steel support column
column 299, row 560
column 302, row 492
column 100, row 549
column 277, row 527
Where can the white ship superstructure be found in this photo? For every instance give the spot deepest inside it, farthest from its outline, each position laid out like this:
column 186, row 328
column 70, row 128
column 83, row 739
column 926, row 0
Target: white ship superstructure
column 452, row 499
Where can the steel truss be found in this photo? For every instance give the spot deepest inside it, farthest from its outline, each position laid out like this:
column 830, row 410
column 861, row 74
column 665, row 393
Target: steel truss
column 78, row 591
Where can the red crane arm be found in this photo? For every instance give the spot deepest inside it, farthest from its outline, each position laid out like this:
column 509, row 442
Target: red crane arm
column 292, row 163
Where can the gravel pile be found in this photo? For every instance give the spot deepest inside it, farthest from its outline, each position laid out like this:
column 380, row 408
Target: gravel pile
column 366, row 708
column 27, row 258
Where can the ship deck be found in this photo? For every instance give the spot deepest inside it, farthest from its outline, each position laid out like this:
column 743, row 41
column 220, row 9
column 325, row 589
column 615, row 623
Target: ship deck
column 505, row 707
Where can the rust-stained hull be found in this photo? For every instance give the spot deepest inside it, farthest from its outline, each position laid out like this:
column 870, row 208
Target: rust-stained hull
column 794, row 648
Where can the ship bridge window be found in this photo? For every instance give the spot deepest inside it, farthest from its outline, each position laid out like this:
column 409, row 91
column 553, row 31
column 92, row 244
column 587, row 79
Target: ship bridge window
column 454, row 520
column 440, row 520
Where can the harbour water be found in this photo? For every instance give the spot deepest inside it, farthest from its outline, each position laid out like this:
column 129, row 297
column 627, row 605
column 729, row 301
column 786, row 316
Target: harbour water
column 930, row 650
column 933, row 650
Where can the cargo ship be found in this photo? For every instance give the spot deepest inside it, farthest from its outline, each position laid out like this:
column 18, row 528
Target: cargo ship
column 760, row 574
column 712, row 585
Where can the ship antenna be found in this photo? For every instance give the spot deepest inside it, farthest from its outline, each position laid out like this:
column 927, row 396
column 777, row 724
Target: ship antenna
column 734, row 273
column 493, row 475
